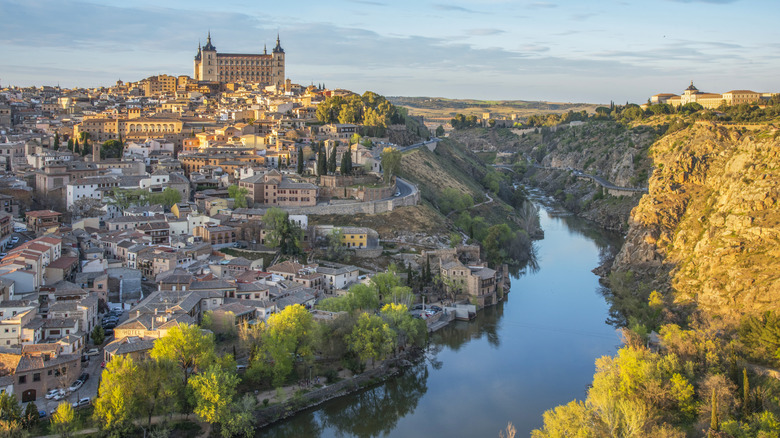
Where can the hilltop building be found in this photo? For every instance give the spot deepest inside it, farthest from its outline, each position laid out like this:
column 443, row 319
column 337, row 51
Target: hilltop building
column 263, row 68
column 711, row 100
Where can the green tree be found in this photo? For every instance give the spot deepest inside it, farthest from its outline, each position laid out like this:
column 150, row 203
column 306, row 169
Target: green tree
column 391, row 162
column 188, row 347
column 239, row 195
column 167, row 197
column 346, row 162
column 64, row 419
column 70, row 144
column 746, row 400
column 714, row 423
column 76, row 149
column 154, row 388
column 332, row 160
column 372, row 338
column 322, row 165
column 242, row 417
column 56, row 145
column 214, row 391
column 300, row 160
column 98, row 335
column 439, row 131
column 286, row 340
column 31, row 415
column 409, row 330
column 112, row 149
column 114, row 404
column 11, row 419
column 284, row 234
column 335, row 249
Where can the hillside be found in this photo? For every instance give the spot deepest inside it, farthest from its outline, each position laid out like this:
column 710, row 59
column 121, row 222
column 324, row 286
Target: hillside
column 442, row 109
column 615, row 151
column 712, row 219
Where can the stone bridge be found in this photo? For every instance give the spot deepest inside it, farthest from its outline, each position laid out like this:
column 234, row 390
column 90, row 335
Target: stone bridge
column 611, row 188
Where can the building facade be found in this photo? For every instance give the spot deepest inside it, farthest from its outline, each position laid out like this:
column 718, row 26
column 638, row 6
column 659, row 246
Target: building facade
column 268, row 69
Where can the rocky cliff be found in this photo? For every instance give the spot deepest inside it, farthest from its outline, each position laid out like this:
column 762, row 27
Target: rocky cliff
column 709, row 230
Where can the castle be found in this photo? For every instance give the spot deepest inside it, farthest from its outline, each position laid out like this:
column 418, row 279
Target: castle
column 267, row 69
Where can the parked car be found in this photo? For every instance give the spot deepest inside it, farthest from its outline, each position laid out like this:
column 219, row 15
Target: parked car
column 84, row 358
column 84, row 377
column 82, row 402
column 3, row 254
column 41, row 414
column 14, row 239
column 436, row 308
column 52, row 393
column 76, row 385
column 60, row 395
column 109, row 325
column 108, row 332
column 93, row 352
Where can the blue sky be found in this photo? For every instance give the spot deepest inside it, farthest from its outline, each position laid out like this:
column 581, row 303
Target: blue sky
column 555, row 50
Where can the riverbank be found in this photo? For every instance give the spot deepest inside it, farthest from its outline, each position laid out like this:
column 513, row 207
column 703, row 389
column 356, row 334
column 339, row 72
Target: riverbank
column 303, row 399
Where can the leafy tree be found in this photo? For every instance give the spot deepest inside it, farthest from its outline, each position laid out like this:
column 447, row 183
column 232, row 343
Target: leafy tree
column 112, row 149
column 241, row 418
column 238, row 194
column 98, row 335
column 391, row 162
column 332, row 160
column 87, row 207
column 154, row 388
column 167, row 197
column 56, row 141
column 408, row 329
column 214, row 390
column 9, row 407
column 64, row 419
column 372, row 338
column 284, row 234
column 439, row 131
column 300, row 160
column 286, row 338
column 335, row 249
column 114, row 404
column 186, row 346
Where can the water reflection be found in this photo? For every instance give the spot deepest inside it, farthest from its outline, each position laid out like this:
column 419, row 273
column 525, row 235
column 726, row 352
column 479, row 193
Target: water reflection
column 529, row 353
column 369, row 413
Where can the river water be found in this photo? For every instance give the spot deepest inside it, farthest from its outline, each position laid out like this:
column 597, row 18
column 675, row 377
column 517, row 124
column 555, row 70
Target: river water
column 530, row 353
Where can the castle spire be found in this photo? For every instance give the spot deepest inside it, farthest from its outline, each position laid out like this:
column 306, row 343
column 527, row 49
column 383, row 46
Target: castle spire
column 265, row 49
column 278, row 48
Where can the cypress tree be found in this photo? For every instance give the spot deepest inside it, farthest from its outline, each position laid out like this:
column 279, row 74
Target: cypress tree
column 300, row 160
column 332, row 160
column 321, row 164
column 745, row 394
column 76, row 146
column 714, row 426
column 428, row 275
column 56, row 141
column 70, row 144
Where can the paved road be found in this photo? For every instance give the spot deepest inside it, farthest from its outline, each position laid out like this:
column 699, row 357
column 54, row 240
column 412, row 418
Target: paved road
column 601, row 181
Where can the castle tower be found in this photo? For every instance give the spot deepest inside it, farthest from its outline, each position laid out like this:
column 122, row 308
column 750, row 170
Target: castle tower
column 277, row 72
column 208, row 69
column 197, row 61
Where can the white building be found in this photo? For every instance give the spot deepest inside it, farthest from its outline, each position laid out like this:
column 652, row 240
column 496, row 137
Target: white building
column 91, row 187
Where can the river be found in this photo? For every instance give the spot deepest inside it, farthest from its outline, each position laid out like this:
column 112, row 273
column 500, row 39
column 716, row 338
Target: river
column 530, row 353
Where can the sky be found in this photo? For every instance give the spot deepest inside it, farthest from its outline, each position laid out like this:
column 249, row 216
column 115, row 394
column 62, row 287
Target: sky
column 549, row 50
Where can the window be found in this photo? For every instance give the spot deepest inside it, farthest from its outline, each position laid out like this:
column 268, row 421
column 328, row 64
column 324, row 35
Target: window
column 37, row 377
column 22, row 379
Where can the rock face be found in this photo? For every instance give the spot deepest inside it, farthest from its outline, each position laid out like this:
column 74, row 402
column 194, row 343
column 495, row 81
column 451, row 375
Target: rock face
column 711, row 221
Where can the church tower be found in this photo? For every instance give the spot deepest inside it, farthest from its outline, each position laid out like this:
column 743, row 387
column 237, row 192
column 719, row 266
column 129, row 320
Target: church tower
column 197, row 61
column 277, row 70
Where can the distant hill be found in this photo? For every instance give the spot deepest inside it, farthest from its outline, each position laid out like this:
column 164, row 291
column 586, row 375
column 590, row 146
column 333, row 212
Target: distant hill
column 444, row 109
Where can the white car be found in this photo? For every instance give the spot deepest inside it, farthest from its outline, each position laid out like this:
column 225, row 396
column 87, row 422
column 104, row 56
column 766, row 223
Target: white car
column 52, row 393
column 82, row 402
column 93, row 352
column 61, row 394
column 76, row 385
